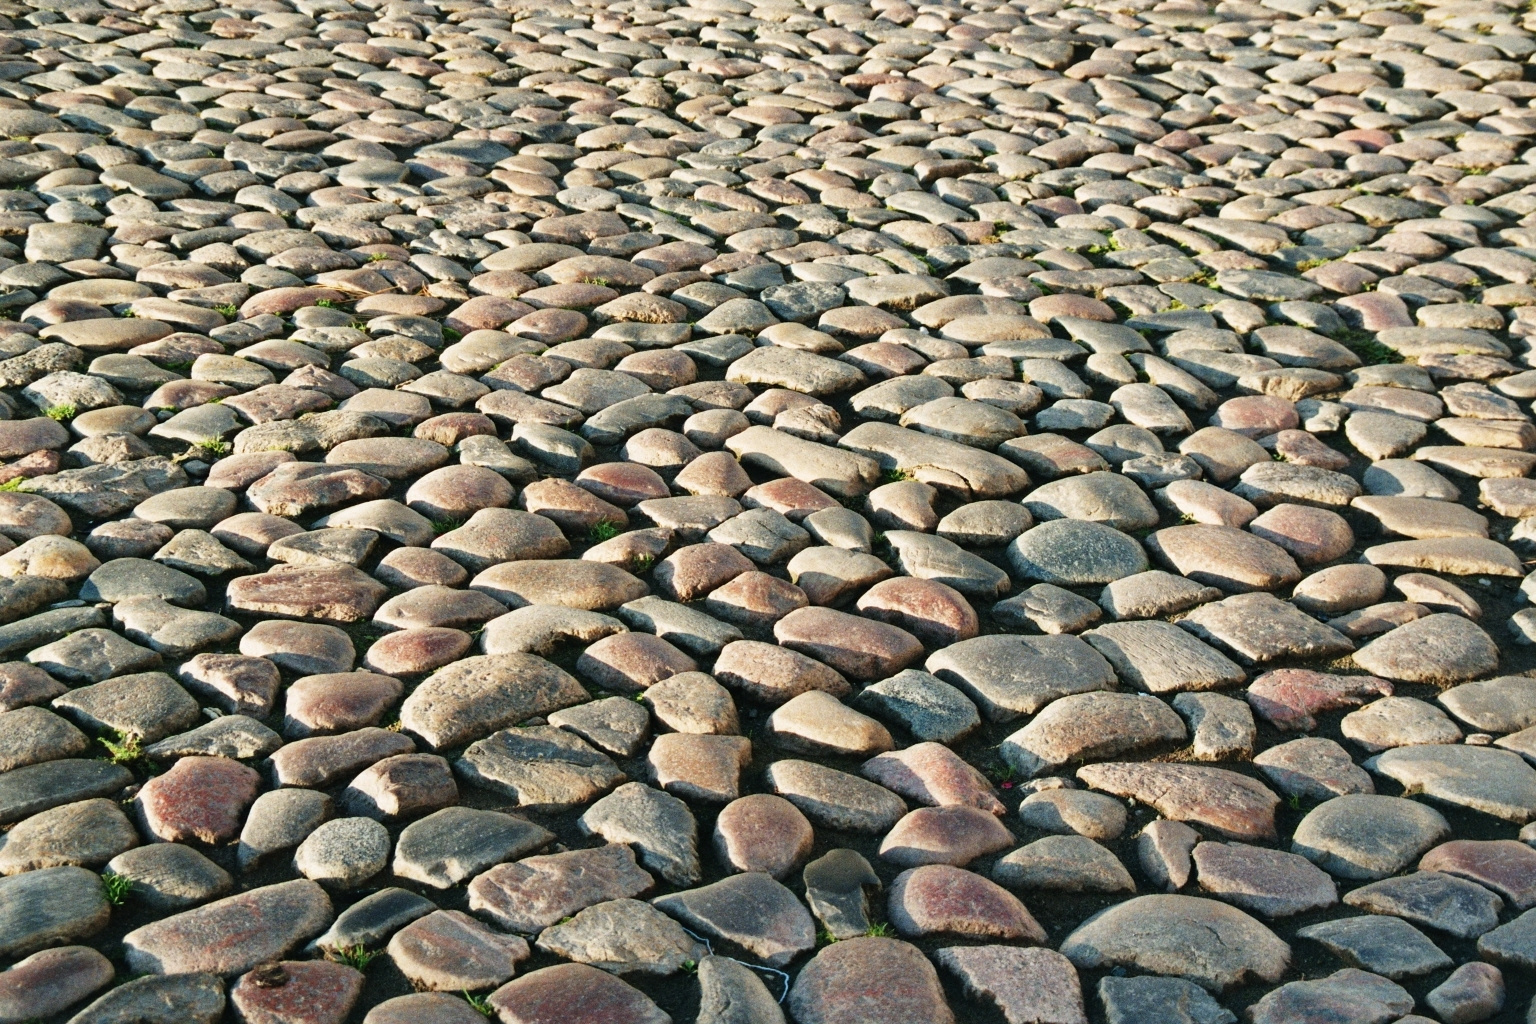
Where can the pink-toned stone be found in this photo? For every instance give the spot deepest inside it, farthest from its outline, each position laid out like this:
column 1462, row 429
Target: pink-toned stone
column 568, row 993
column 1289, row 698
column 953, row 835
column 403, row 786
column 851, row 644
column 763, row 832
column 414, row 651
column 1256, row 416
column 1310, row 535
column 1377, row 311
column 537, row 892
column 297, row 992
column 1506, row 866
column 755, row 599
column 931, row 773
column 405, row 568
column 625, row 484
column 232, row 935
column 691, row 572
column 700, row 766
column 868, row 981
column 940, row 899
column 51, row 981
column 337, row 702
column 1231, row 804
column 628, row 662
column 775, row 674
column 200, row 798
column 485, row 313
column 326, row 760
column 449, row 951
column 794, row 499
column 458, row 492
column 1028, row 984
column 937, row 614
column 574, row 509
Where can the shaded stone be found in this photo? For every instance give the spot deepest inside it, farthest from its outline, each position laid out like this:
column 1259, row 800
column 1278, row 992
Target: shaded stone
column 1443, row 902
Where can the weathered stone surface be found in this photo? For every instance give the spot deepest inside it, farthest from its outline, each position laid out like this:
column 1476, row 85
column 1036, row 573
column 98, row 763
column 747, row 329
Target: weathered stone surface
column 868, row 980
column 232, row 935
column 536, row 892
column 1206, row 942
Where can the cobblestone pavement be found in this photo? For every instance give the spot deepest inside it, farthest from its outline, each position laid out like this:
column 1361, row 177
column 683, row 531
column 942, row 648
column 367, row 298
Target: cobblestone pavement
column 762, row 511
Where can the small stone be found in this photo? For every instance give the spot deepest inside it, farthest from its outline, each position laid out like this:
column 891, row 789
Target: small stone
column 344, row 853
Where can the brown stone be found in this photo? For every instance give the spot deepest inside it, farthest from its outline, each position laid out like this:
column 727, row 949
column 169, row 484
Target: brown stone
column 851, row 644
column 773, row 675
column 869, row 981
column 1290, row 698
column 537, row 892
column 414, row 651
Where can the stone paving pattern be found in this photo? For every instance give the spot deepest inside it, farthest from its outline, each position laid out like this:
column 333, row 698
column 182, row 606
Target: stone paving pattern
column 762, row 511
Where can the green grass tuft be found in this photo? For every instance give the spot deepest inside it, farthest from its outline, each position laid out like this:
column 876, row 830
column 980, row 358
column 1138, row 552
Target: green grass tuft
column 478, row 1004
column 879, row 931
column 892, row 476
column 116, row 889
column 13, row 484
column 378, row 257
column 356, row 957
column 643, row 563
column 325, row 303
column 228, row 310
column 442, row 526
column 60, row 412
column 124, row 750
column 603, row 530
column 1365, row 345
column 213, row 446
